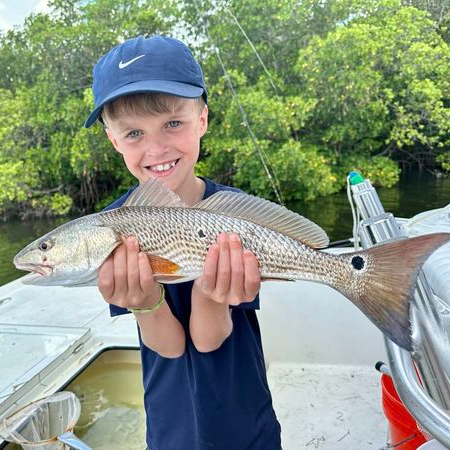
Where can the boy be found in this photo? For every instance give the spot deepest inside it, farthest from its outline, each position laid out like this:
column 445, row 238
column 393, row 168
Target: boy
column 203, row 367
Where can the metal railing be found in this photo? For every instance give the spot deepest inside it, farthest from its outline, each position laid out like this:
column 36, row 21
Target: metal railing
column 429, row 401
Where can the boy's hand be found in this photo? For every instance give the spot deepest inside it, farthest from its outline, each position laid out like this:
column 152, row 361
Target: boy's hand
column 230, row 275
column 126, row 279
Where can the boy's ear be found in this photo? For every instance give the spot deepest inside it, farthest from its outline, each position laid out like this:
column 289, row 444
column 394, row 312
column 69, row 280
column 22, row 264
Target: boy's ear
column 204, row 121
column 112, row 139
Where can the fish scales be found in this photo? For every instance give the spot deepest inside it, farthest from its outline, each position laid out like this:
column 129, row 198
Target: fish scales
column 184, row 235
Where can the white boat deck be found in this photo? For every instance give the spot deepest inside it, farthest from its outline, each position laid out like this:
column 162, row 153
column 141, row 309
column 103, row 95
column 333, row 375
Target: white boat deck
column 328, row 406
column 321, row 352
column 319, row 348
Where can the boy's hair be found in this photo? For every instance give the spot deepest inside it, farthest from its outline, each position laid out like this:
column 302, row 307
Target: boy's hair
column 152, row 103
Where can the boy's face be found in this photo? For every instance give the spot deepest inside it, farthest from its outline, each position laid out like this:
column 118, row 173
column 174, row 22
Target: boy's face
column 164, row 146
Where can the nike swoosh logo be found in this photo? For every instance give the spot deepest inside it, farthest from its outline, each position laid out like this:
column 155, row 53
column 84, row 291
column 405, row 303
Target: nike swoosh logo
column 122, row 65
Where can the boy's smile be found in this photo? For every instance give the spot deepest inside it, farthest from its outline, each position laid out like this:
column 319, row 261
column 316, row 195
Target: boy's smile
column 163, row 169
column 164, row 145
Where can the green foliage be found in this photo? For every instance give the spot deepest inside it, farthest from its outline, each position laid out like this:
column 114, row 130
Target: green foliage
column 379, row 80
column 14, row 181
column 302, row 172
column 438, row 10
column 444, row 160
column 371, row 80
column 58, row 204
column 311, row 89
column 51, row 163
column 381, row 171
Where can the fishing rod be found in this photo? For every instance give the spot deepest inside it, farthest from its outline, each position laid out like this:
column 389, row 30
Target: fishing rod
column 262, row 155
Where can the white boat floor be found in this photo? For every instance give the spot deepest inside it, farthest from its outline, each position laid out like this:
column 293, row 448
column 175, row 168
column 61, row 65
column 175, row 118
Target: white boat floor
column 328, row 407
column 322, row 406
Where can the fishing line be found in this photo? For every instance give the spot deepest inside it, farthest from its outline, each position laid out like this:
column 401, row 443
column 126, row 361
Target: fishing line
column 260, row 151
column 340, row 243
column 254, row 50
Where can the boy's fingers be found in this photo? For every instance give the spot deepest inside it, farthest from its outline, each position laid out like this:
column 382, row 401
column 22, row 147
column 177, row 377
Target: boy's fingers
column 132, row 266
column 208, row 278
column 120, row 272
column 146, row 278
column 252, row 275
column 223, row 266
column 106, row 278
column 237, row 268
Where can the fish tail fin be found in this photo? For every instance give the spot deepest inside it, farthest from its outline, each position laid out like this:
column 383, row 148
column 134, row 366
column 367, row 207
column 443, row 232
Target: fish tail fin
column 387, row 286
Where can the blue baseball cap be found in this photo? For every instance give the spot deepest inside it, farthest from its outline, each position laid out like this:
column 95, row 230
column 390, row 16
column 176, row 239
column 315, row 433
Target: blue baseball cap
column 155, row 64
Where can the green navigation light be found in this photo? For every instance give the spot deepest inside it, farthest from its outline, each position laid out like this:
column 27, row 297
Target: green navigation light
column 355, row 178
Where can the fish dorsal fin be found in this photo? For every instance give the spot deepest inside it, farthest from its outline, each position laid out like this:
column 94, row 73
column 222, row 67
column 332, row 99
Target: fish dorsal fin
column 268, row 214
column 153, row 193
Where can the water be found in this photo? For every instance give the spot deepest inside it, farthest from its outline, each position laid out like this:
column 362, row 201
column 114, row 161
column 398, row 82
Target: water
column 111, row 396
column 14, row 236
column 412, row 195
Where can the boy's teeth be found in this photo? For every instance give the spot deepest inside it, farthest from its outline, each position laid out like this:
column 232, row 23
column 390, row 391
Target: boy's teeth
column 163, row 167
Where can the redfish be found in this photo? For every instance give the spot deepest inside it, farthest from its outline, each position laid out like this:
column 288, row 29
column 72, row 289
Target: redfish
column 380, row 281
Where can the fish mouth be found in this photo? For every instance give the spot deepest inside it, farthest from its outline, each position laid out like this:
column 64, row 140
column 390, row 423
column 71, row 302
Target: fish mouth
column 35, row 269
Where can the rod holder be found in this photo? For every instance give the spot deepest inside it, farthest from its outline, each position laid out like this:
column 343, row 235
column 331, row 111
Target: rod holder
column 427, row 402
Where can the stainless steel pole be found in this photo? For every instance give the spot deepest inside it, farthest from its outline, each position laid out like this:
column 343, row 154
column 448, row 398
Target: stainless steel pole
column 431, row 342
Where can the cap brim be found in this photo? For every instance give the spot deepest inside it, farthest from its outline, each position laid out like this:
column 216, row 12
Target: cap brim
column 161, row 86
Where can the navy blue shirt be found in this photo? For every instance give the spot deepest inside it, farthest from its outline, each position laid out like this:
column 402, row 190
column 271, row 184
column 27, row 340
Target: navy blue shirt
column 218, row 400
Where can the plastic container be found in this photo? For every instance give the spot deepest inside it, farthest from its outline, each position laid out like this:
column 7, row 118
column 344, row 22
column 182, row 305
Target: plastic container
column 403, row 431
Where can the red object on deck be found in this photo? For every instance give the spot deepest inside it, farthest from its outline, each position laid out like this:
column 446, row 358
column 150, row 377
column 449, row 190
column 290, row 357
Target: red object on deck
column 403, row 431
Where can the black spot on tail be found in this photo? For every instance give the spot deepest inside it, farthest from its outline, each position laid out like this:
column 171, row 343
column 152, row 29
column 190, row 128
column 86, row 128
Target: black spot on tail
column 358, row 262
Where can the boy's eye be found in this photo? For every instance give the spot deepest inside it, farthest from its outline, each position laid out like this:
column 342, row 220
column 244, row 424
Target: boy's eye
column 134, row 133
column 174, row 123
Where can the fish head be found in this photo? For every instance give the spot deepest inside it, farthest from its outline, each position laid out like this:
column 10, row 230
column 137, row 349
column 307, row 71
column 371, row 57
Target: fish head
column 67, row 256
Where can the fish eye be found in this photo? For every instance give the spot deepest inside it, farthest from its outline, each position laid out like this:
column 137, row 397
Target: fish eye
column 45, row 245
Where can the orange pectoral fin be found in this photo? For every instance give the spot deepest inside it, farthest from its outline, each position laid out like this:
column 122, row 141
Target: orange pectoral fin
column 163, row 266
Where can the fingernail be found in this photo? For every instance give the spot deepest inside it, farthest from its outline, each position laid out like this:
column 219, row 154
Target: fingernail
column 223, row 237
column 234, row 238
